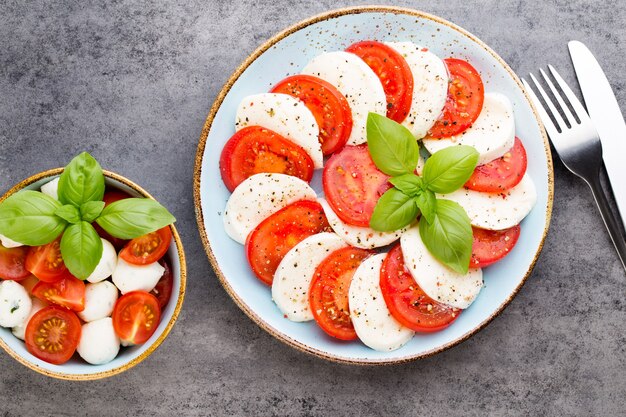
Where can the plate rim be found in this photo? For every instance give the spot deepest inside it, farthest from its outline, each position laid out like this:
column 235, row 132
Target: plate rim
column 200, row 157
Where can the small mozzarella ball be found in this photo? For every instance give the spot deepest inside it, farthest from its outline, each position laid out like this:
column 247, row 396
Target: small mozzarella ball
column 51, row 188
column 15, row 304
column 8, row 243
column 128, row 277
column 98, row 342
column 107, row 263
column 100, row 299
column 18, row 331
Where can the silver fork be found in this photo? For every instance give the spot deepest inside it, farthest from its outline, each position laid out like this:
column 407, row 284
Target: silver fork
column 578, row 146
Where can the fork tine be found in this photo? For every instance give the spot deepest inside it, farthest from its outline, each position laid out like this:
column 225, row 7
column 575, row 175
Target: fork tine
column 547, row 122
column 568, row 114
column 578, row 107
column 560, row 123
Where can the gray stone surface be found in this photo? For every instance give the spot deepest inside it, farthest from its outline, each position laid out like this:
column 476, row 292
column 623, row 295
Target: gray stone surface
column 132, row 82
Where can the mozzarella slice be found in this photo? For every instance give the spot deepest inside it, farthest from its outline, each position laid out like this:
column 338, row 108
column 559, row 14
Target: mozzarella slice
column 492, row 134
column 8, row 243
column 437, row 280
column 259, row 196
column 372, row 320
column 107, row 263
column 357, row 82
column 51, row 188
column 100, row 299
column 292, row 279
column 430, row 86
column 285, row 115
column 20, row 330
column 357, row 236
column 497, row 211
column 15, row 304
column 98, row 342
column 128, row 277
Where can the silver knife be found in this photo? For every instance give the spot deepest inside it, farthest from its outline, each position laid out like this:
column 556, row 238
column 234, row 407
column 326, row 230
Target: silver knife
column 605, row 113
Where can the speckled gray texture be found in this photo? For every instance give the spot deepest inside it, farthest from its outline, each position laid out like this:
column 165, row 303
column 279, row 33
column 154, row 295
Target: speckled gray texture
column 132, row 83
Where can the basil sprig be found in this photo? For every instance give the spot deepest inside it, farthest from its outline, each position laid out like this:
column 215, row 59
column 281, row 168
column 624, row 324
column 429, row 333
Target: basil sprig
column 446, row 230
column 33, row 218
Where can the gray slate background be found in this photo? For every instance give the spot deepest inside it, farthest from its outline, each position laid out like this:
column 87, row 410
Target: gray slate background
column 132, row 83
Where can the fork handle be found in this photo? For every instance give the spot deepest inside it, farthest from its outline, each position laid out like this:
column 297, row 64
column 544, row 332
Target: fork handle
column 609, row 219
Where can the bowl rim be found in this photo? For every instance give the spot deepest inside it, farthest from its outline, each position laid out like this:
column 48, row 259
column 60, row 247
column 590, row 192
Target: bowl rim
column 181, row 293
column 200, row 156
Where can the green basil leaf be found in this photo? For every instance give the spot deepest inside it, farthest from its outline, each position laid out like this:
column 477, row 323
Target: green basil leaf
column 427, row 203
column 392, row 147
column 133, row 217
column 28, row 217
column 81, row 181
column 81, row 248
column 448, row 169
column 90, row 210
column 393, row 211
column 68, row 213
column 409, row 184
column 449, row 236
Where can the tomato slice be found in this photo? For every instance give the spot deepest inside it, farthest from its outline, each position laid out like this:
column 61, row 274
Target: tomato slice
column 490, row 246
column 394, row 73
column 13, row 263
column 46, row 263
column 136, row 317
column 407, row 302
column 268, row 243
column 69, row 292
column 501, row 174
column 111, row 196
column 328, row 294
column 329, row 107
column 147, row 249
column 465, row 100
column 52, row 334
column 163, row 289
column 353, row 184
column 255, row 149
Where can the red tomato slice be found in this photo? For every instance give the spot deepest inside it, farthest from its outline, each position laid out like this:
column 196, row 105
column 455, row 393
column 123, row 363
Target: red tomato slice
column 111, row 196
column 268, row 243
column 52, row 334
column 255, row 149
column 465, row 100
column 136, row 317
column 407, row 302
column 394, row 73
column 353, row 184
column 163, row 289
column 502, row 174
column 492, row 245
column 328, row 294
column 147, row 249
column 46, row 263
column 329, row 107
column 13, row 263
column 69, row 292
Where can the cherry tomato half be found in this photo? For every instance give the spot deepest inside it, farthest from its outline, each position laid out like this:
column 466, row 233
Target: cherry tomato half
column 147, row 249
column 13, row 263
column 46, row 263
column 69, row 292
column 163, row 289
column 52, row 334
column 136, row 316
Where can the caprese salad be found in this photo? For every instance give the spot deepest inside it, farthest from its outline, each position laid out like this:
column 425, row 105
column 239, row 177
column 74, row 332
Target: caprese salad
column 83, row 266
column 424, row 184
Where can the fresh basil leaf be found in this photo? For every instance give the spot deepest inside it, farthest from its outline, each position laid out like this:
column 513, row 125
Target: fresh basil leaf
column 69, row 213
column 393, row 211
column 409, row 184
column 449, row 236
column 90, row 210
column 28, row 217
column 133, row 217
column 81, row 248
column 448, row 169
column 392, row 147
column 427, row 203
column 81, row 181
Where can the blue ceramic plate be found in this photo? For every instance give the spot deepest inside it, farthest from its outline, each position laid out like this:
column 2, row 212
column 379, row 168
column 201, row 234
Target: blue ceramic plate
column 285, row 54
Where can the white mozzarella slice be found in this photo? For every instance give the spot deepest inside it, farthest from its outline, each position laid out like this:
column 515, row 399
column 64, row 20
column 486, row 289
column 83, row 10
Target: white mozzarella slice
column 100, row 299
column 285, row 115
column 107, row 263
column 51, row 188
column 290, row 288
column 20, row 330
column 437, row 280
column 430, row 87
column 98, row 342
column 8, row 243
column 15, row 304
column 492, row 134
column 357, row 82
column 370, row 316
column 128, row 277
column 497, row 211
column 358, row 236
column 257, row 198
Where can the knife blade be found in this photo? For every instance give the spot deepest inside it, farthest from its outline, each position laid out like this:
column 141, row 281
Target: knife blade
column 607, row 117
